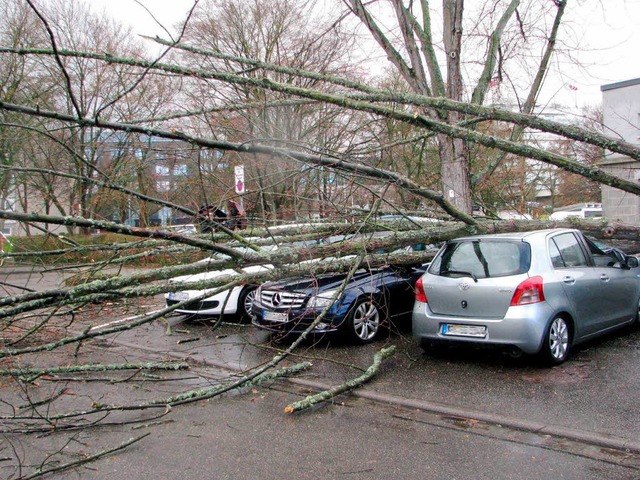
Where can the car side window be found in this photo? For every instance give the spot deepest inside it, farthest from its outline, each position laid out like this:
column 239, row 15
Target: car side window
column 565, row 251
column 554, row 253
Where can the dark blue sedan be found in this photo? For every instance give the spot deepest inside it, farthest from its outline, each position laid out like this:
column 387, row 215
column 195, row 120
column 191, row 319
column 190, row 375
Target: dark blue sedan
column 372, row 300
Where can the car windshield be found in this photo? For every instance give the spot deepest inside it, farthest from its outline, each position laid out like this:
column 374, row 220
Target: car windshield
column 482, row 259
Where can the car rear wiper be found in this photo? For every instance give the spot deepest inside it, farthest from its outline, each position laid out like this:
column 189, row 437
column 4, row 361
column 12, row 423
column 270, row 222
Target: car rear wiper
column 460, row 272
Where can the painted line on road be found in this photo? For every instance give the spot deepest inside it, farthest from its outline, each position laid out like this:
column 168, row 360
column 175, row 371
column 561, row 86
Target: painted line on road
column 123, row 320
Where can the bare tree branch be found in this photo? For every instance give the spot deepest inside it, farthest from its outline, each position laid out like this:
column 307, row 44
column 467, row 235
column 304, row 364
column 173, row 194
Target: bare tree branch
column 490, row 63
column 42, row 472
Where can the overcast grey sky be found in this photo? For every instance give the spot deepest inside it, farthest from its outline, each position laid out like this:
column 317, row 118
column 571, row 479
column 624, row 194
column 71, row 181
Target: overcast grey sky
column 607, row 32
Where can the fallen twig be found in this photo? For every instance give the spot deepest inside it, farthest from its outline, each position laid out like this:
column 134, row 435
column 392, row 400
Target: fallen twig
column 40, row 473
column 166, row 403
column 247, row 381
column 33, row 373
column 187, row 340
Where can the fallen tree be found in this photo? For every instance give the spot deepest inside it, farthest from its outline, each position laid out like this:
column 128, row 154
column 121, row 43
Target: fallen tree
column 36, row 323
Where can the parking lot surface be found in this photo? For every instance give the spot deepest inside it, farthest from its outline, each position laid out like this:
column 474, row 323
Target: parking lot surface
column 466, row 413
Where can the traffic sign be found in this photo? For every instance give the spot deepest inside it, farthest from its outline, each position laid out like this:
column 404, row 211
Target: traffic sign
column 239, row 179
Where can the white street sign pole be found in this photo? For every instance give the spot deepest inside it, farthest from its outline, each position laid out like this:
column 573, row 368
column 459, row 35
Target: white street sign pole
column 239, row 182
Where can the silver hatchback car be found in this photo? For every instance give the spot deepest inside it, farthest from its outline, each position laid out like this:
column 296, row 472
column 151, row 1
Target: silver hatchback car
column 541, row 292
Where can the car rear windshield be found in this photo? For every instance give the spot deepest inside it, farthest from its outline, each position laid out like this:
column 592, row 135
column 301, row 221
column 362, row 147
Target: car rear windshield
column 482, row 258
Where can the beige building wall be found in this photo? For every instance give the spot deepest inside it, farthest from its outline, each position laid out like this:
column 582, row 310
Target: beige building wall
column 621, row 119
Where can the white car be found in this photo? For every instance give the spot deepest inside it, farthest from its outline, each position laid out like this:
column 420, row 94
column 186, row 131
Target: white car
column 236, row 301
column 188, row 229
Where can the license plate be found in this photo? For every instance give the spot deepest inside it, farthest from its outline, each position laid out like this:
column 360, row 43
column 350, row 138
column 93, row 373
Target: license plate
column 179, row 296
column 274, row 316
column 464, row 330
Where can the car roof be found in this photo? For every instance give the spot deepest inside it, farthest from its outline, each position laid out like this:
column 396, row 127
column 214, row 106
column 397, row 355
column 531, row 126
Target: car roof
column 516, row 235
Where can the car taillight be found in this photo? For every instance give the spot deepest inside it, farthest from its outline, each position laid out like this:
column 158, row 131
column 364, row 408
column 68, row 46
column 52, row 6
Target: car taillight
column 529, row 291
column 420, row 295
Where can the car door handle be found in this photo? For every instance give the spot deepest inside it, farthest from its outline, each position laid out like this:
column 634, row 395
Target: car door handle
column 569, row 280
column 604, row 277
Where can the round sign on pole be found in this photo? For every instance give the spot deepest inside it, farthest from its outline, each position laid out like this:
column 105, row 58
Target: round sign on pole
column 239, row 177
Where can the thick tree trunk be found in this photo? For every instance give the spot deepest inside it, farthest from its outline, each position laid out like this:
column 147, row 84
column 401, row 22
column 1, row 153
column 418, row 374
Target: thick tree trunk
column 454, row 173
column 454, row 159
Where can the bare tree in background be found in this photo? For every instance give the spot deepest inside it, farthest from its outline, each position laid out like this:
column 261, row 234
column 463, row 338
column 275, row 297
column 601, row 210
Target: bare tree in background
column 288, row 34
column 462, row 59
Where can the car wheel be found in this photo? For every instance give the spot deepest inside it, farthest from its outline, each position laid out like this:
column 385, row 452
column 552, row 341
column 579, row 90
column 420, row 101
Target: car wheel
column 363, row 322
column 557, row 342
column 245, row 301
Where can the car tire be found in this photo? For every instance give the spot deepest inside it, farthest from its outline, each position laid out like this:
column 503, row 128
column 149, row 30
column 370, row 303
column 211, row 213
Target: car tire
column 557, row 342
column 364, row 321
column 245, row 300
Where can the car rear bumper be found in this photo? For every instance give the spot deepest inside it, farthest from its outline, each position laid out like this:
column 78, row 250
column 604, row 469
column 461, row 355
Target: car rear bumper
column 523, row 327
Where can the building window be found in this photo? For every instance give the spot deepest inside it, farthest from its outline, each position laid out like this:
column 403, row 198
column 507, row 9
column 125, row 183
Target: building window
column 163, row 185
column 180, row 169
column 118, row 152
column 212, row 168
column 211, row 154
column 162, row 170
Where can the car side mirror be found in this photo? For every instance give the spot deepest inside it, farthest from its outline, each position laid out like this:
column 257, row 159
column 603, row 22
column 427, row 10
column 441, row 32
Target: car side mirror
column 632, row 262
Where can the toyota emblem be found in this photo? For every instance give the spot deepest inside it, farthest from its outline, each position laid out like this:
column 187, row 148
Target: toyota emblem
column 276, row 299
column 464, row 285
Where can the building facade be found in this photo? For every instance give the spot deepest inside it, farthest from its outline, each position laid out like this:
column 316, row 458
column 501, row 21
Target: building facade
column 169, row 170
column 621, row 119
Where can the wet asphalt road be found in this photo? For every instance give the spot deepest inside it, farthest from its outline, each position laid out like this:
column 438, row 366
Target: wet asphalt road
column 595, row 393
column 598, row 389
column 248, row 435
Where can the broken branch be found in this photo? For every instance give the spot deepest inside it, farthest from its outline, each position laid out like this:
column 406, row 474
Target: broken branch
column 347, row 386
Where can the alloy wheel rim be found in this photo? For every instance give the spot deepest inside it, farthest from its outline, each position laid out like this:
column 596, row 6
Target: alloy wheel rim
column 366, row 321
column 558, row 338
column 248, row 302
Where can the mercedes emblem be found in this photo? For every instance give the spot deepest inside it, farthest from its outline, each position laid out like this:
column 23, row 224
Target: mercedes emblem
column 276, row 299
